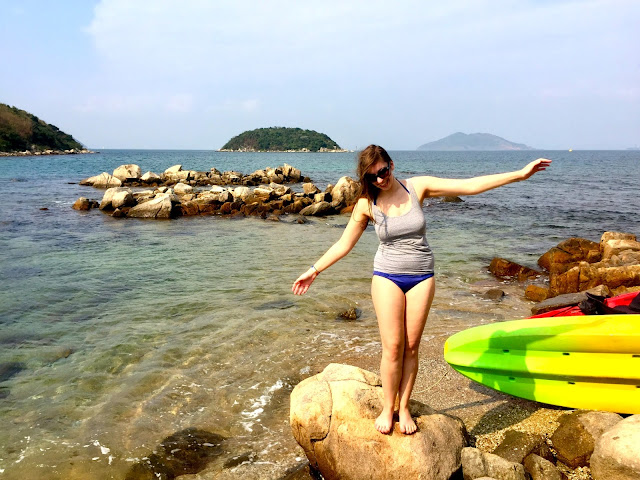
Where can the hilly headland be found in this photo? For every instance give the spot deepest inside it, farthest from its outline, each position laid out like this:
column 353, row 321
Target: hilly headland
column 281, row 139
column 473, row 142
column 22, row 133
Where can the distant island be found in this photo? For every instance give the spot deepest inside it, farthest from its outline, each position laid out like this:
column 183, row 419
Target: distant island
column 281, row 139
column 22, row 133
column 473, row 142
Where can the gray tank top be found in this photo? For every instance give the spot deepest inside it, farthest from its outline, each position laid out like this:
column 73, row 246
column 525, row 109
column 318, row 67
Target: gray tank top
column 403, row 249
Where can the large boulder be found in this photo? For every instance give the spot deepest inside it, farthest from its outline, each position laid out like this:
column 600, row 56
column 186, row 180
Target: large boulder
column 606, row 236
column 332, row 418
column 124, row 172
column 291, row 174
column 575, row 438
column 345, row 192
column 616, row 455
column 182, row 189
column 104, row 180
column 477, row 464
column 569, row 253
column 616, row 247
column 159, row 207
column 124, row 196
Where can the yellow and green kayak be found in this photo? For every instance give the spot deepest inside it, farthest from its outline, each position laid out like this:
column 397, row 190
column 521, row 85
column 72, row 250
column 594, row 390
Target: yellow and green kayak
column 590, row 362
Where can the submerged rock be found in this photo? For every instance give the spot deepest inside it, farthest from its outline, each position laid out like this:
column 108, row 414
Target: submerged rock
column 185, row 452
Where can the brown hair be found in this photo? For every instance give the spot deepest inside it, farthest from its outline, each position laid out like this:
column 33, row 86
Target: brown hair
column 366, row 158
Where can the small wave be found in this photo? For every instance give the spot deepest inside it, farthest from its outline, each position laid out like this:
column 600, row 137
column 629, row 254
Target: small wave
column 257, row 407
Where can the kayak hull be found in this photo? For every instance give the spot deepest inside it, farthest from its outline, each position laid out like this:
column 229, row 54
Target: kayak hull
column 590, row 362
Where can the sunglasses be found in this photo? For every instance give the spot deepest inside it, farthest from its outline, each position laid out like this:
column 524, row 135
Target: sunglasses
column 382, row 173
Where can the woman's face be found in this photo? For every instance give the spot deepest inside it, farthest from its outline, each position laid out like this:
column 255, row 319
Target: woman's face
column 379, row 174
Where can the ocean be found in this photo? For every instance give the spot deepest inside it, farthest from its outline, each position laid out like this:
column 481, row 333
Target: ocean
column 117, row 333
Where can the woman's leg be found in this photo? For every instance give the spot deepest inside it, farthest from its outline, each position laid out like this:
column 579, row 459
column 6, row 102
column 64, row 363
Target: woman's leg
column 389, row 303
column 418, row 301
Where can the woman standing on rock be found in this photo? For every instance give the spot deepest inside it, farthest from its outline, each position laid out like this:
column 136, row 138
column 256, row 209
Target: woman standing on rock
column 403, row 286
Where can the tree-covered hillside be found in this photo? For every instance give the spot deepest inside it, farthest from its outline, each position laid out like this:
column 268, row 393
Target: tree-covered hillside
column 20, row 131
column 280, row 139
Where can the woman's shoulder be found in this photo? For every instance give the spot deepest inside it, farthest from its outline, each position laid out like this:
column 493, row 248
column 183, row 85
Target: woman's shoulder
column 362, row 208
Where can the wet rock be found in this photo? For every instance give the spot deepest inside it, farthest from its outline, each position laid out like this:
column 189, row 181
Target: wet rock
column 503, row 268
column 541, row 469
column 494, row 294
column 185, row 452
column 332, row 416
column 10, row 369
column 617, row 452
column 83, row 203
column 477, row 464
column 575, row 438
column 537, row 293
column 351, row 314
column 317, row 209
column 129, row 171
column 452, row 200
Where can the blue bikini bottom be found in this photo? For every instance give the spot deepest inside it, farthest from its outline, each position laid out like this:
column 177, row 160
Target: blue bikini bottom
column 404, row 282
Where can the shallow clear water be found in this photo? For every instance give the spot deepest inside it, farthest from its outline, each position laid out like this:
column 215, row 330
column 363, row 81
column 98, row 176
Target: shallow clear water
column 116, row 333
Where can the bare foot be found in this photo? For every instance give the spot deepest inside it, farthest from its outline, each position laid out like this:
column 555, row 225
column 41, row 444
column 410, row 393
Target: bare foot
column 384, row 422
column 407, row 425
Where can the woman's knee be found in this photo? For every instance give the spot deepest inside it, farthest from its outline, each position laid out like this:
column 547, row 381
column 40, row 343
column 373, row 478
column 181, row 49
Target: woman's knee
column 411, row 350
column 393, row 352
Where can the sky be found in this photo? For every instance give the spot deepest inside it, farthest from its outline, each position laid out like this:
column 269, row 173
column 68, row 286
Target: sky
column 191, row 74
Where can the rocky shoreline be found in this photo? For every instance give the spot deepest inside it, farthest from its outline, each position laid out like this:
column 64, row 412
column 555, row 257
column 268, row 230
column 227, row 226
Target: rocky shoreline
column 29, row 153
column 575, row 267
column 332, row 415
column 178, row 192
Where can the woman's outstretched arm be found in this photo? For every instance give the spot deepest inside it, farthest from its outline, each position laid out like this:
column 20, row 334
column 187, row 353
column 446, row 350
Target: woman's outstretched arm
column 352, row 233
column 438, row 187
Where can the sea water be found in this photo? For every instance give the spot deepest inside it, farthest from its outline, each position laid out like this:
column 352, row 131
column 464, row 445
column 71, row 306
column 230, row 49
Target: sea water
column 117, row 333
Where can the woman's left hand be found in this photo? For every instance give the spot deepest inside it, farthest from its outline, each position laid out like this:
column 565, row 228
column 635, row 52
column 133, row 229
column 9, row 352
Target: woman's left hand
column 534, row 167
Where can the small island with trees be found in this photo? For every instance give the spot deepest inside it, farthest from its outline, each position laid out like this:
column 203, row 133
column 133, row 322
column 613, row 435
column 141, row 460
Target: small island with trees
column 22, row 133
column 281, row 139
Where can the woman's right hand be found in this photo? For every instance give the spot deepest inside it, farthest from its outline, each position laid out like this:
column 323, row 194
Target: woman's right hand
column 304, row 281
